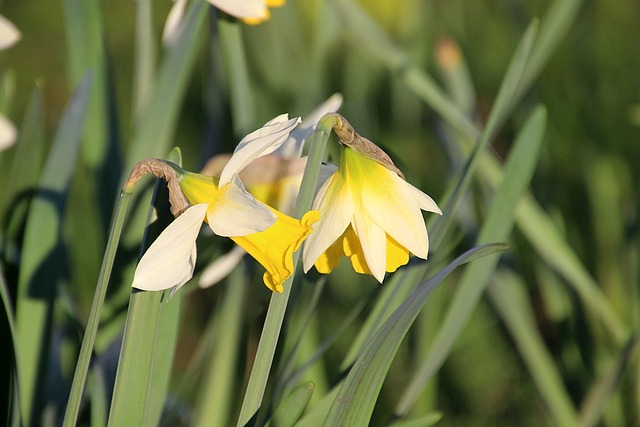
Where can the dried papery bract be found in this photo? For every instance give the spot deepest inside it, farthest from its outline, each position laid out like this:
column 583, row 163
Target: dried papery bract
column 161, row 169
column 348, row 137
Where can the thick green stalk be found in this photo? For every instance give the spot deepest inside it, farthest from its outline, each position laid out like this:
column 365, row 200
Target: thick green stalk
column 278, row 305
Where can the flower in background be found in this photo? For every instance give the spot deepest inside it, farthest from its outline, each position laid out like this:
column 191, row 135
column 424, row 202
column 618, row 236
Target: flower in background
column 368, row 212
column 268, row 235
column 9, row 35
column 250, row 11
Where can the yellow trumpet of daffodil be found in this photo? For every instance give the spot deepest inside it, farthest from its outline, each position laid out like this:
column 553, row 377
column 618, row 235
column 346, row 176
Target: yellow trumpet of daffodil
column 268, row 235
column 368, row 212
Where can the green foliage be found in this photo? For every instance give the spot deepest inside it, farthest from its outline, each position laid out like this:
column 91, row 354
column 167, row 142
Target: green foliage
column 520, row 119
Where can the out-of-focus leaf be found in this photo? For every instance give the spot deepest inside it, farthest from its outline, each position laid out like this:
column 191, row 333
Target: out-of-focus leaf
column 42, row 262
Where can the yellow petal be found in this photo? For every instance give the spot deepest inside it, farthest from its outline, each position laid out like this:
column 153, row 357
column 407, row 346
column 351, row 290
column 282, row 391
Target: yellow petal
column 349, row 245
column 274, row 247
column 198, row 188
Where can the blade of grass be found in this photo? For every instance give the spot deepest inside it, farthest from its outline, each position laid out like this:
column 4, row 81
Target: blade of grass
column 41, row 250
column 358, row 394
column 84, row 358
column 518, row 172
column 278, row 304
column 509, row 297
column 608, row 384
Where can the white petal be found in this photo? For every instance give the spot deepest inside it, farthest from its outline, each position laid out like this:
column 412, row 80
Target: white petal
column 8, row 133
column 293, row 146
column 238, row 213
column 9, row 34
column 392, row 205
column 335, row 204
column 374, row 244
column 326, row 170
column 258, row 143
column 242, row 8
column 221, row 267
column 172, row 25
column 170, row 260
column 425, row 202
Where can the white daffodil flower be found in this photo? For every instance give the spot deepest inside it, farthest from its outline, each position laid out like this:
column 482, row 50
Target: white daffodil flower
column 250, row 11
column 8, row 133
column 369, row 214
column 268, row 235
column 9, row 34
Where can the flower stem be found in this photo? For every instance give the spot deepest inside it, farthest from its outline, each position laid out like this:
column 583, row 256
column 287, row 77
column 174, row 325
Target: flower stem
column 82, row 367
column 278, row 305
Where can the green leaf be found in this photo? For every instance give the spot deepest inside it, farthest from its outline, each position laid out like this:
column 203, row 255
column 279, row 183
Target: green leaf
column 42, row 255
column 358, row 394
column 135, row 367
column 28, row 157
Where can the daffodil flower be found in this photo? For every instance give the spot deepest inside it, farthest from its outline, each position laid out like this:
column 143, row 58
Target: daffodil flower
column 273, row 179
column 250, row 11
column 268, row 235
column 9, row 35
column 368, row 213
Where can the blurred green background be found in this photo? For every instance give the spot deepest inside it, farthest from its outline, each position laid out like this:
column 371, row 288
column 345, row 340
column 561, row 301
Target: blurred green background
column 586, row 179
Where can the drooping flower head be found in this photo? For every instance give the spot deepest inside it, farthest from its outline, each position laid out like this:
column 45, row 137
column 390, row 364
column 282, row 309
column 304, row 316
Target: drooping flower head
column 368, row 212
column 268, row 235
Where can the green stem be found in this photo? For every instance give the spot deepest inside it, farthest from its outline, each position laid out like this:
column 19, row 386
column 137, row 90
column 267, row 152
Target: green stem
column 82, row 367
column 241, row 98
column 278, row 305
